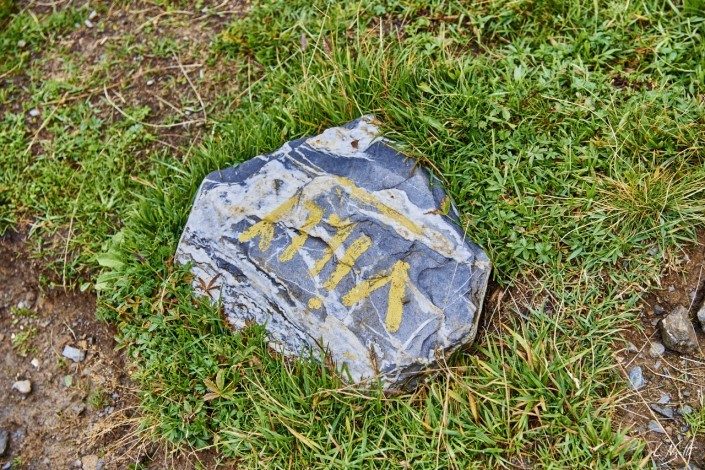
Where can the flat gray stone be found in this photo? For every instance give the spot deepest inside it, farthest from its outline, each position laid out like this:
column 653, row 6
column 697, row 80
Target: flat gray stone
column 677, row 332
column 339, row 242
column 75, row 354
column 663, row 411
column 636, row 378
column 657, row 349
column 655, row 426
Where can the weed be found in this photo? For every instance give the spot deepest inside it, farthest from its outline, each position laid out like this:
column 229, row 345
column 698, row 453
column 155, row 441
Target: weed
column 22, row 341
column 98, row 399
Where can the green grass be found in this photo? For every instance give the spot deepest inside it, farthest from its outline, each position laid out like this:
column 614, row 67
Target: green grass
column 570, row 135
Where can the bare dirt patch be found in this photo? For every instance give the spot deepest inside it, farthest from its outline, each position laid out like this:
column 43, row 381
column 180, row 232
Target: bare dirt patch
column 49, row 426
column 674, row 382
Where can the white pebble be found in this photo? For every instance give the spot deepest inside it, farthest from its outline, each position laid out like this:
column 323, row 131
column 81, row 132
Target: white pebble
column 23, row 386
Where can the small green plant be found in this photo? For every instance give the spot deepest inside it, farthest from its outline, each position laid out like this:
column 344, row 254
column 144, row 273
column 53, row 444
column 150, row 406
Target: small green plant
column 696, row 421
column 98, row 399
column 21, row 342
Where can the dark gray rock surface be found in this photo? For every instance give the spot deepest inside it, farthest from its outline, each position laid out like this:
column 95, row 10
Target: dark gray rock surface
column 339, row 241
column 677, row 332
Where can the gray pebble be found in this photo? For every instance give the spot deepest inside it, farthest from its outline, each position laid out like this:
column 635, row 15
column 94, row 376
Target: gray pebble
column 636, row 378
column 664, row 399
column 671, row 288
column 686, row 410
column 23, row 386
column 657, row 349
column 663, row 411
column 21, row 43
column 34, row 112
column 4, row 440
column 658, row 309
column 677, row 332
column 75, row 354
column 655, row 426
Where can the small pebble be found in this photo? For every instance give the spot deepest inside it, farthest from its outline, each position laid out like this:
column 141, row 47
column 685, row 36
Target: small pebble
column 34, row 112
column 658, row 309
column 664, row 399
column 23, row 386
column 686, row 394
column 631, row 348
column 4, row 440
column 35, row 363
column 92, row 15
column 657, row 349
column 150, row 82
column 663, row 411
column 671, row 288
column 656, row 427
column 88, row 23
column 657, row 365
column 75, row 354
column 21, row 43
column 636, row 378
column 686, row 410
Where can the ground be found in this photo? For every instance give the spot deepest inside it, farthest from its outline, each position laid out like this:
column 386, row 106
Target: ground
column 569, row 134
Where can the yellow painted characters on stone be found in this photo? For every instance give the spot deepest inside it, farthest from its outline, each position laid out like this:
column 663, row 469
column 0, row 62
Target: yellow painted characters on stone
column 264, row 229
column 315, row 214
column 397, row 278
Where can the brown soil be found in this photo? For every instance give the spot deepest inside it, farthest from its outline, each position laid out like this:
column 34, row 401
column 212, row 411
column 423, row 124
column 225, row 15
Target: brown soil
column 681, row 377
column 49, row 426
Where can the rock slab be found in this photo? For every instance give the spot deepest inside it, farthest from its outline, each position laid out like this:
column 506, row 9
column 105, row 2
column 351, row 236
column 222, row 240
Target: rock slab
column 677, row 332
column 339, row 242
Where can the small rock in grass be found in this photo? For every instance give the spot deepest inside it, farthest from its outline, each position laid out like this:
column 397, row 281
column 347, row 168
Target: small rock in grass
column 677, row 332
column 636, row 378
column 21, row 43
column 75, row 354
column 671, row 288
column 657, row 349
column 658, row 309
column 34, row 112
column 663, row 411
column 631, row 347
column 150, row 82
column 35, row 363
column 655, row 426
column 92, row 15
column 23, row 386
column 686, row 410
column 88, row 23
column 701, row 317
column 664, row 399
column 4, row 440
